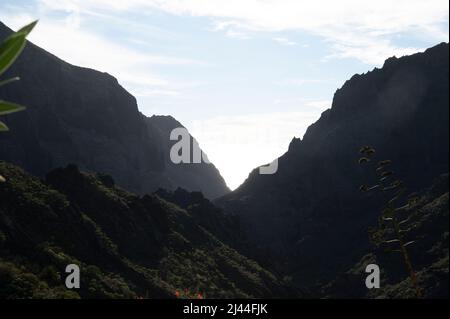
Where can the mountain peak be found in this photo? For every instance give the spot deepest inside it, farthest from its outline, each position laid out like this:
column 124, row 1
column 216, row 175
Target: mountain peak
column 83, row 116
column 311, row 210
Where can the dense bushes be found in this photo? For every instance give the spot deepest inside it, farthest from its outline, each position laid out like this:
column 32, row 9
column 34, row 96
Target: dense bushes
column 126, row 246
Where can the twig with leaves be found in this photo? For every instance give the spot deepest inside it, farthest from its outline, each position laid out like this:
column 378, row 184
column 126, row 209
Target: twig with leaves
column 390, row 216
column 10, row 50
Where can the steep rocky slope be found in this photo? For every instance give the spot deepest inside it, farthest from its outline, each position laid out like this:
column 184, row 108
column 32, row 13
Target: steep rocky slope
column 311, row 213
column 82, row 116
column 191, row 176
column 126, row 246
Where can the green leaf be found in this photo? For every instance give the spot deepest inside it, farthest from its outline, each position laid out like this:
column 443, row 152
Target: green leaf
column 386, row 174
column 11, row 48
column 409, row 243
column 393, row 186
column 364, row 149
column 374, row 188
column 9, row 81
column 392, row 241
column 28, row 28
column 384, row 163
column 369, row 151
column 363, row 160
column 404, row 221
column 404, row 207
column 8, row 107
column 394, row 199
column 3, row 127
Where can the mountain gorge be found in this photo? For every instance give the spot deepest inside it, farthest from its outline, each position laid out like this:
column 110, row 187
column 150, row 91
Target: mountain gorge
column 82, row 116
column 89, row 181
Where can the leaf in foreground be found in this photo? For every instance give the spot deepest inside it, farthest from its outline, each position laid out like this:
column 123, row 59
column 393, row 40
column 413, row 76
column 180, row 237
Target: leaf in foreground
column 8, row 107
column 3, row 127
column 13, row 46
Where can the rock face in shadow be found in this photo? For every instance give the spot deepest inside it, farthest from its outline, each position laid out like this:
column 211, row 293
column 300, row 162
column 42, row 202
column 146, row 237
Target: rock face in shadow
column 311, row 212
column 82, row 116
column 200, row 176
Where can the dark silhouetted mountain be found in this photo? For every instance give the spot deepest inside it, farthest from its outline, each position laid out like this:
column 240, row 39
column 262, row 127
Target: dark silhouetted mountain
column 126, row 246
column 82, row 116
column 311, row 212
column 204, row 177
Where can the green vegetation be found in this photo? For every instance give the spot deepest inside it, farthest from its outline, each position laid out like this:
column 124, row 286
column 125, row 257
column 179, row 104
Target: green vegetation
column 126, row 246
column 18, row 282
column 393, row 226
column 428, row 222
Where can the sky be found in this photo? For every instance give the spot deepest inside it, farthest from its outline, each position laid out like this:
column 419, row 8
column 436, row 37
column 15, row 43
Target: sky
column 244, row 76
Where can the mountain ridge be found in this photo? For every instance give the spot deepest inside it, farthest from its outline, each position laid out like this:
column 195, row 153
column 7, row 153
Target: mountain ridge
column 85, row 117
column 311, row 213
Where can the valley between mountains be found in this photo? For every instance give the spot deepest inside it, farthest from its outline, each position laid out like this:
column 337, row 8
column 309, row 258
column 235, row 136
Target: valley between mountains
column 89, row 181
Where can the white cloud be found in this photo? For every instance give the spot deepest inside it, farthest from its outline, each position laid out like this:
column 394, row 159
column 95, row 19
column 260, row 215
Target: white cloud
column 232, row 29
column 285, row 41
column 354, row 28
column 368, row 49
column 66, row 37
column 359, row 29
column 237, row 35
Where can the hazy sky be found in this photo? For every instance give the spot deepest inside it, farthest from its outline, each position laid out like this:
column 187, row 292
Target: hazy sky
column 244, row 76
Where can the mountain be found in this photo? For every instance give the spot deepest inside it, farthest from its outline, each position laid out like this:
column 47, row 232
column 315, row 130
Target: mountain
column 309, row 223
column 126, row 246
column 311, row 213
column 201, row 176
column 82, row 116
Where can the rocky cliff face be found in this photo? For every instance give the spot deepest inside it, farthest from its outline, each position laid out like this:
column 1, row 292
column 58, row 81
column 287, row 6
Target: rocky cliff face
column 81, row 116
column 201, row 176
column 311, row 212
